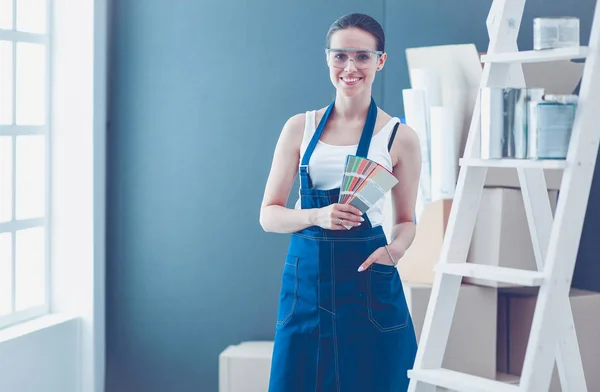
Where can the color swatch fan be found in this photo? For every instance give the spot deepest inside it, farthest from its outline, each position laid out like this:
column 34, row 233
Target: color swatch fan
column 364, row 183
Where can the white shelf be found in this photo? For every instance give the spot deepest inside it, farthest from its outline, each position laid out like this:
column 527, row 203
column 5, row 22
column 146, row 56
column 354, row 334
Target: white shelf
column 535, row 56
column 515, row 163
column 456, row 381
column 515, row 276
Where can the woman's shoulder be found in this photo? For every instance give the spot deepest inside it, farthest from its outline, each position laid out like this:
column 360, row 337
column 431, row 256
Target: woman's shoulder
column 293, row 130
column 404, row 133
column 296, row 121
column 406, row 143
column 407, row 137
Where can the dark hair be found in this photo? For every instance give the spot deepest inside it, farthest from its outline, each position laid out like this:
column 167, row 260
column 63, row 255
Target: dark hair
column 359, row 21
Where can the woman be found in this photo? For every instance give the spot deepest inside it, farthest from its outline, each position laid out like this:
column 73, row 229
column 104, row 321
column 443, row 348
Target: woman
column 343, row 322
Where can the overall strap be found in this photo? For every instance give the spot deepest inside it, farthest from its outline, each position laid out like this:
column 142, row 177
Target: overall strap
column 391, row 142
column 305, row 181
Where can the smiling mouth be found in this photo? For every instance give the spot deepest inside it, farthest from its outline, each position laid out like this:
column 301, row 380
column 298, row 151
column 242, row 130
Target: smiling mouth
column 352, row 80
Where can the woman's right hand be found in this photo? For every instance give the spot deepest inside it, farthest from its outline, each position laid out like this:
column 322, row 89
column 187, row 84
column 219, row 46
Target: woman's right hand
column 336, row 216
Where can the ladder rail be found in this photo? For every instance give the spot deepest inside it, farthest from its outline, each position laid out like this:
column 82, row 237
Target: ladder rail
column 503, row 27
column 540, row 221
column 570, row 214
column 538, row 211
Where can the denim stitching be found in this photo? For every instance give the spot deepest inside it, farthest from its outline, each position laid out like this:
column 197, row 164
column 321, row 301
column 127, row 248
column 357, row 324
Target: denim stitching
column 321, row 196
column 333, row 239
column 382, row 272
column 285, row 320
column 334, row 323
column 370, row 308
column 318, row 325
column 327, row 310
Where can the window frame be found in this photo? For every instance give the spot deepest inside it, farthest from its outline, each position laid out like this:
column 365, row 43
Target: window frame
column 13, row 131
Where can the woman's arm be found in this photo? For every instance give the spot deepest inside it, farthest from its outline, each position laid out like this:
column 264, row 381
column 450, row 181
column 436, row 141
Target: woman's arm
column 406, row 152
column 274, row 215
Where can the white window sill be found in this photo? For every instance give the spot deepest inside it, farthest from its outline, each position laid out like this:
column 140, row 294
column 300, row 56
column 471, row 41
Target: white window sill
column 34, row 325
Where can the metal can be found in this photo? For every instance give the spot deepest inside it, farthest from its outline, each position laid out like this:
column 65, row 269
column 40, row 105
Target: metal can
column 552, row 33
column 503, row 115
column 549, row 129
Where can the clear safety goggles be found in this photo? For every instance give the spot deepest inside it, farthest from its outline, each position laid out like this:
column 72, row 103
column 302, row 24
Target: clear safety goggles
column 362, row 58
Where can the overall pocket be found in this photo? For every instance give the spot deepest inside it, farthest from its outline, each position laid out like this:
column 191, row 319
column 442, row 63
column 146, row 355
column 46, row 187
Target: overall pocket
column 289, row 290
column 387, row 306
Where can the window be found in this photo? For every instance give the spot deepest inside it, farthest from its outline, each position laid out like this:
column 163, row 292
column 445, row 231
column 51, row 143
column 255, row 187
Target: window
column 24, row 159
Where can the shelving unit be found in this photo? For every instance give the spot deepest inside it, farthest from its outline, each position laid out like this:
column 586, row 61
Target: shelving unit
column 555, row 240
column 515, row 163
column 500, row 274
column 536, row 56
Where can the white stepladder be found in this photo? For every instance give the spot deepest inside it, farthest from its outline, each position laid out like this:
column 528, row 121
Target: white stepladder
column 555, row 240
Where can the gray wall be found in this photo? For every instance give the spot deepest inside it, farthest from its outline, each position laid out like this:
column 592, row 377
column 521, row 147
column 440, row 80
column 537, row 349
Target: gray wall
column 199, row 91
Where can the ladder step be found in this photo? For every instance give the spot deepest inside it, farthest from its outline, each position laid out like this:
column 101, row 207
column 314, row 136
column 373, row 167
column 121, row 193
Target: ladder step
column 515, row 163
column 514, row 276
column 536, row 56
column 456, row 381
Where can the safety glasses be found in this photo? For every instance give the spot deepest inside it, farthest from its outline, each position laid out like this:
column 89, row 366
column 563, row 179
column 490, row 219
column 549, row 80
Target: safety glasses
column 362, row 58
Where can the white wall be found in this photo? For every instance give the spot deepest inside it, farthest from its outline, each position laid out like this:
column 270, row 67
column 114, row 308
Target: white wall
column 65, row 351
column 78, row 174
column 43, row 360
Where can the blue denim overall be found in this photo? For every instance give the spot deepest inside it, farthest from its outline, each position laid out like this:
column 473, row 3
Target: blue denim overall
column 339, row 329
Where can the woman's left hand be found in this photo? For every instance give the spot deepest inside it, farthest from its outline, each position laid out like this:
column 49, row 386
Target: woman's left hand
column 381, row 256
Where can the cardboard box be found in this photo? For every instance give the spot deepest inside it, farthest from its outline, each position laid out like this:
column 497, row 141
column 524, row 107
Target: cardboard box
column 501, row 235
column 472, row 341
column 585, row 306
column 245, row 367
column 416, row 266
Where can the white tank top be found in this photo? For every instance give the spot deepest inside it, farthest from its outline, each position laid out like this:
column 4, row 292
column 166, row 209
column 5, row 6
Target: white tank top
column 327, row 162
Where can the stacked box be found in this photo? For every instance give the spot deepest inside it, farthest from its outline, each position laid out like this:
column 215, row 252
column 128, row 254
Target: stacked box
column 245, row 367
column 520, row 306
column 471, row 345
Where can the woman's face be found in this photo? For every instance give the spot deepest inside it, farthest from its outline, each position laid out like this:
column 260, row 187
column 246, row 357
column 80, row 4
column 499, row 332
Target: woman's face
column 353, row 61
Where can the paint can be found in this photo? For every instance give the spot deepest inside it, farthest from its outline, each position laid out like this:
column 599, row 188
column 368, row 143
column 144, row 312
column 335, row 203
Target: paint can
column 503, row 115
column 553, row 33
column 549, row 129
column 561, row 98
